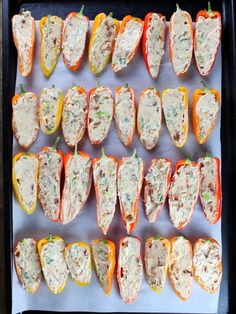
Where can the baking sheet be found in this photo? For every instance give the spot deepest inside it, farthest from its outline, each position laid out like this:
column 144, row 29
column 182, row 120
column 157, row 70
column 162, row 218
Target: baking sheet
column 84, row 227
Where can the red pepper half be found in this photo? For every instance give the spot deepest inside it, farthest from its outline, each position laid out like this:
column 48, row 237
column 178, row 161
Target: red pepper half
column 81, row 19
column 201, row 44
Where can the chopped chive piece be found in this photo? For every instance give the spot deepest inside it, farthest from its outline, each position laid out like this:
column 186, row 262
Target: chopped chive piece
column 110, row 14
column 206, row 196
column 126, row 85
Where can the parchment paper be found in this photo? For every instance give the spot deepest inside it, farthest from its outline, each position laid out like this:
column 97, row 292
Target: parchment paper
column 84, row 227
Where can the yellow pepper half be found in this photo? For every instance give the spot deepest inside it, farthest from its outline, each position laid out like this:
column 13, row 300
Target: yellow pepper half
column 42, row 106
column 96, row 24
column 16, row 185
column 55, row 45
column 41, row 243
column 86, row 246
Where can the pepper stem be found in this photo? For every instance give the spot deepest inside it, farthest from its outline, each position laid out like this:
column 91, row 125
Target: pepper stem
column 56, row 143
column 189, row 158
column 208, row 154
column 126, row 85
column 53, row 85
column 177, row 7
column 74, row 87
column 76, row 151
column 22, row 91
column 103, row 153
column 209, row 10
column 98, row 84
column 205, row 87
column 155, row 87
column 110, row 14
column 81, row 10
column 135, row 155
column 50, row 237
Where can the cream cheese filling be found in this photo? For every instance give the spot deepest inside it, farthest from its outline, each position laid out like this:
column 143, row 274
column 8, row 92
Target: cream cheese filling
column 74, row 33
column 149, row 118
column 77, row 186
column 26, row 109
column 25, row 169
column 74, row 116
column 183, row 194
column 104, row 174
column 124, row 114
column 126, row 43
column 22, row 25
column 100, row 114
column 155, row 43
column 207, row 39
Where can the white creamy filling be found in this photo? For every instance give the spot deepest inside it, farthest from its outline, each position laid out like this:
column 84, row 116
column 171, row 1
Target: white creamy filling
column 22, row 26
column 77, row 186
column 104, row 39
column 74, row 116
column 130, row 269
column 206, row 262
column 49, row 182
column 181, row 41
column 183, row 194
column 149, row 118
column 155, row 43
column 102, row 264
column 53, row 264
column 104, row 174
column 206, row 109
column 126, row 43
column 49, row 106
column 129, row 186
column 156, row 259
column 27, row 264
column 26, row 110
column 208, row 187
column 74, row 32
column 207, row 39
column 176, row 115
column 180, row 267
column 26, row 177
column 100, row 114
column 78, row 260
column 156, row 188
column 124, row 114
column 51, row 41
